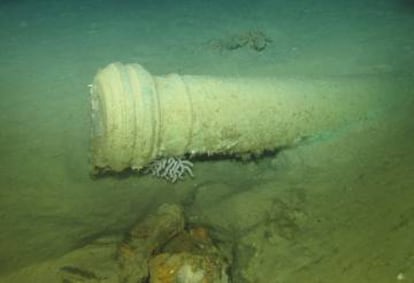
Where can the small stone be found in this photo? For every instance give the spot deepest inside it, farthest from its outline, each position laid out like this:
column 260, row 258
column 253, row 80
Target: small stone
column 400, row 276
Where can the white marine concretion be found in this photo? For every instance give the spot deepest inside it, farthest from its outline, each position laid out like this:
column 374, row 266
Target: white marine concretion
column 138, row 118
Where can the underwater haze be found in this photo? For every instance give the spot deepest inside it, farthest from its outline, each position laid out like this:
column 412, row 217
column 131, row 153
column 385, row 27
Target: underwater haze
column 338, row 207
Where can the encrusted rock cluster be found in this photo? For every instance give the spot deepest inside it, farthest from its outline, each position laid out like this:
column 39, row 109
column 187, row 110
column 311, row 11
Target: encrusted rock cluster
column 160, row 250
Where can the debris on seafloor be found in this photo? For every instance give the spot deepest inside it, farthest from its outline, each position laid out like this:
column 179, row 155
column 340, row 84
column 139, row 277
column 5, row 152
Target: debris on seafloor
column 144, row 239
column 160, row 250
column 76, row 274
column 253, row 39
